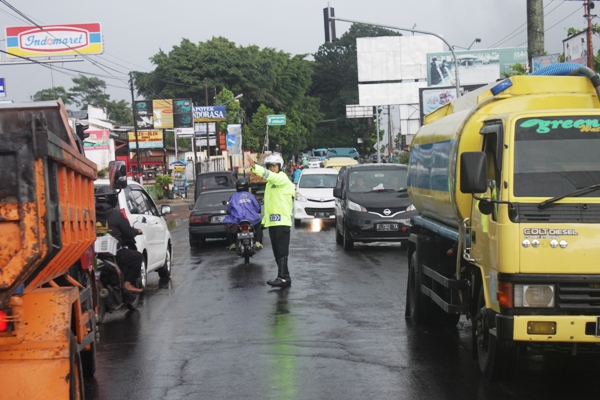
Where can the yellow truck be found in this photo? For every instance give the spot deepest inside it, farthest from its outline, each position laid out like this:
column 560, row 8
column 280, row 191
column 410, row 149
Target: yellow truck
column 47, row 234
column 507, row 183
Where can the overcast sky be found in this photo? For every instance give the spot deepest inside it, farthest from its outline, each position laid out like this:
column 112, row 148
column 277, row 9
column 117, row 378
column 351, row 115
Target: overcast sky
column 133, row 31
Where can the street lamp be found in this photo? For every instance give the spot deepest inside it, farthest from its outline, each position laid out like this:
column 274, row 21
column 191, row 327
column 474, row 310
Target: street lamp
column 477, row 40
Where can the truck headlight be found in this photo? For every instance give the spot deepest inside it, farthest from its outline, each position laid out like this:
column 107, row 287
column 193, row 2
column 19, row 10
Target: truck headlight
column 537, row 296
column 356, row 207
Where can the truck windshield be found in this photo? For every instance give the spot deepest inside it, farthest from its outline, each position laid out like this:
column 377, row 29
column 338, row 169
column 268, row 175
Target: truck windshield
column 555, row 156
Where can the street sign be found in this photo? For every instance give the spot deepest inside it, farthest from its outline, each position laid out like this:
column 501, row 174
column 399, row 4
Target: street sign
column 277, row 119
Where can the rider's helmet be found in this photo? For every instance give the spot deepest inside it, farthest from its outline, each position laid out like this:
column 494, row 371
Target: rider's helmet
column 241, row 185
column 274, row 159
column 106, row 194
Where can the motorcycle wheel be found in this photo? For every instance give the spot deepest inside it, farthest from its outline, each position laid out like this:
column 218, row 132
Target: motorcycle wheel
column 246, row 259
column 101, row 309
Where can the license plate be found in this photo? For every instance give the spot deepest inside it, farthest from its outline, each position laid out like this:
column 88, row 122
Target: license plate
column 322, row 215
column 387, row 227
column 217, row 218
column 597, row 326
column 245, row 234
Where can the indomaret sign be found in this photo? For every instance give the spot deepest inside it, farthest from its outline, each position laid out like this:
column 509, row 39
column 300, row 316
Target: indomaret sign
column 54, row 40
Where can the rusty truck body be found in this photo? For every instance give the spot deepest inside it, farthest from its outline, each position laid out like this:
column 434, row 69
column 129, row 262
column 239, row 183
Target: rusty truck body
column 47, row 306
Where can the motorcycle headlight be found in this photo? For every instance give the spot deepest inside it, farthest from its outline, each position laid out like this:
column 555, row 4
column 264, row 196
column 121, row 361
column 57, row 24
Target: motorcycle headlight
column 538, row 296
column 356, row 207
column 299, row 197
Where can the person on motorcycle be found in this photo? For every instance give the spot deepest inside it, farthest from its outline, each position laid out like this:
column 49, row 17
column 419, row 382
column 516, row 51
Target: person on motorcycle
column 279, row 193
column 243, row 206
column 110, row 220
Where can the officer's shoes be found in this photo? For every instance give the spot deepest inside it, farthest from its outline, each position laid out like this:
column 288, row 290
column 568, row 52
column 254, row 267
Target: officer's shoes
column 280, row 281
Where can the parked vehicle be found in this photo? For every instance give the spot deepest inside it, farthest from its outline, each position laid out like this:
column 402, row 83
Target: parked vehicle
column 111, row 284
column 507, row 181
column 314, row 195
column 245, row 241
column 214, row 180
column 47, row 285
column 339, row 162
column 206, row 218
column 155, row 242
column 372, row 204
column 343, row 152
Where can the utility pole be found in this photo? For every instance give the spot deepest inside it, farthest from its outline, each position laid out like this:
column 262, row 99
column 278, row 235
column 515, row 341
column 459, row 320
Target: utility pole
column 389, row 133
column 137, row 143
column 588, row 6
column 535, row 30
column 207, row 133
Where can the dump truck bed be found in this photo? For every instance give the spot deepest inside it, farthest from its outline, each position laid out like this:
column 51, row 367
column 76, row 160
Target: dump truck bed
column 46, row 196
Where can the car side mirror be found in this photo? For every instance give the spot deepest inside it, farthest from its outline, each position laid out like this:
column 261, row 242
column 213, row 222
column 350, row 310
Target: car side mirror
column 337, row 192
column 165, row 209
column 191, row 207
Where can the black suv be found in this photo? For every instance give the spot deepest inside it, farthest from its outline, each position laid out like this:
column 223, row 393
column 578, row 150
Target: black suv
column 372, row 204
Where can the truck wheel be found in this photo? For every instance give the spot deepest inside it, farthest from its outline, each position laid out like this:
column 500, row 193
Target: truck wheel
column 497, row 358
column 297, row 223
column 75, row 371
column 165, row 271
column 339, row 239
column 88, row 361
column 347, row 241
column 413, row 293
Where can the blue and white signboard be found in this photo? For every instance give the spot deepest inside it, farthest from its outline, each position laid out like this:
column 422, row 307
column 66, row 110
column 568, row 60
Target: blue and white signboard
column 209, row 113
column 2, row 91
column 234, row 139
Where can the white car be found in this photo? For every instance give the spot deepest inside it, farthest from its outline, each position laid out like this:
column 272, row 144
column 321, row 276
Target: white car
column 155, row 242
column 314, row 195
column 315, row 162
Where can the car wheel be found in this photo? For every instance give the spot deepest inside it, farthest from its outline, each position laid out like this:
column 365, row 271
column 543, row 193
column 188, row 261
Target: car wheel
column 347, row 241
column 297, row 223
column 165, row 270
column 339, row 239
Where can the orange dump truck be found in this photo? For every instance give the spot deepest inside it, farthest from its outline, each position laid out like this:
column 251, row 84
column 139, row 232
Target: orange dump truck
column 47, row 317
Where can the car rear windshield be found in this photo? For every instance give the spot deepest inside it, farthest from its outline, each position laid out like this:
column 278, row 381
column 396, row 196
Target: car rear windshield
column 379, row 180
column 317, row 181
column 212, row 200
column 215, row 182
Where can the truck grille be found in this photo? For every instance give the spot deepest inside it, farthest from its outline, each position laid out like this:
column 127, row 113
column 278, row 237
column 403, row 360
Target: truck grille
column 580, row 297
column 557, row 213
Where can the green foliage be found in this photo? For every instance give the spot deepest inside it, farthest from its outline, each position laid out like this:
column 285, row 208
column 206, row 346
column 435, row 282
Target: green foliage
column 161, row 185
column 54, row 93
column 120, row 112
column 404, row 157
column 89, row 91
column 517, row 69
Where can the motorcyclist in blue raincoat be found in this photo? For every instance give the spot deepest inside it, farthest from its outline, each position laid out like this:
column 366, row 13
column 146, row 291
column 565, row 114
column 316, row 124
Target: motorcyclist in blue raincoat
column 243, row 206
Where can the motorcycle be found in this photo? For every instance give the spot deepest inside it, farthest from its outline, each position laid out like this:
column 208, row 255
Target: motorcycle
column 112, row 294
column 245, row 240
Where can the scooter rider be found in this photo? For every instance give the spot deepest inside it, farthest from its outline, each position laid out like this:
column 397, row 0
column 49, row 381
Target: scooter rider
column 279, row 193
column 110, row 220
column 243, row 206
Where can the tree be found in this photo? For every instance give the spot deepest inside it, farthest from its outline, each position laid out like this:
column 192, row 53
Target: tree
column 119, row 112
column 89, row 91
column 54, row 93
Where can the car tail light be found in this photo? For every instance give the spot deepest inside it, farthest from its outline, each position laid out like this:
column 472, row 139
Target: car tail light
column 5, row 317
column 198, row 219
column 87, row 259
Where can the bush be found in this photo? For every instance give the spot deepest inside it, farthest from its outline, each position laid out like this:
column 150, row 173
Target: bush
column 162, row 185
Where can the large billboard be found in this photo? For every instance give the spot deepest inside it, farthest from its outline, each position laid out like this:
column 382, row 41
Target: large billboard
column 163, row 114
column 53, row 40
column 474, row 66
column 146, row 140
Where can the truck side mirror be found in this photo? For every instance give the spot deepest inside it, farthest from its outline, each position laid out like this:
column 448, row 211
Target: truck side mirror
column 118, row 174
column 473, row 177
column 337, row 192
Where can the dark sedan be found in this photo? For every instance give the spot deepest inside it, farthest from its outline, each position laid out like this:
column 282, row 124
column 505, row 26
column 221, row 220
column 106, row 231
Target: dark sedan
column 206, row 218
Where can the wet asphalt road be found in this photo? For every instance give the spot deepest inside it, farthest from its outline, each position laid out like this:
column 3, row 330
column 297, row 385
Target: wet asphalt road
column 216, row 330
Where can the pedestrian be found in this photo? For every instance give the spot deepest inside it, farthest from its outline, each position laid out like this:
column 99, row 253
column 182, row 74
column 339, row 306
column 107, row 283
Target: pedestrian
column 279, row 193
column 296, row 176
